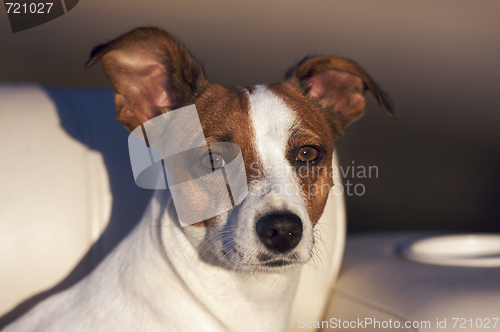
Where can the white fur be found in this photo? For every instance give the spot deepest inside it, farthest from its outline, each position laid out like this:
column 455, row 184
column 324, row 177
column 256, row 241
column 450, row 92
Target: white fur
column 164, row 277
column 272, row 121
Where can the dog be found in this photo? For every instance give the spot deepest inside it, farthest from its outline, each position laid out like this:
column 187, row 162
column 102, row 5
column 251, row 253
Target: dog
column 238, row 270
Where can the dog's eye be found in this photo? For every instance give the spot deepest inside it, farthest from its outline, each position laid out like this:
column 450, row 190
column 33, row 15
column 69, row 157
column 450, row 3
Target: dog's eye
column 307, row 153
column 212, row 160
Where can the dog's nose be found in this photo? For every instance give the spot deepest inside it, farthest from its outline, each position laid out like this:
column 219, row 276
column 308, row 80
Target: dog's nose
column 280, row 232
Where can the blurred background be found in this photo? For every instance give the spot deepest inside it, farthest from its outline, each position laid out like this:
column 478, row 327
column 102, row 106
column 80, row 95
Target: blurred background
column 438, row 166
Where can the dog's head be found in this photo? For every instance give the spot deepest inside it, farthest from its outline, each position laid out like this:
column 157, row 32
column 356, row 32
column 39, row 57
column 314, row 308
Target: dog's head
column 286, row 133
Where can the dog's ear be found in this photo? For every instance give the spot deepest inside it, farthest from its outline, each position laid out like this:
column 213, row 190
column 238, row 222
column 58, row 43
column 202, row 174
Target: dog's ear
column 338, row 86
column 151, row 73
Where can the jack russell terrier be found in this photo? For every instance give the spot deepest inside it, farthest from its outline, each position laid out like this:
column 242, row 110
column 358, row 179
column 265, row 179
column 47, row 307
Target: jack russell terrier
column 237, row 271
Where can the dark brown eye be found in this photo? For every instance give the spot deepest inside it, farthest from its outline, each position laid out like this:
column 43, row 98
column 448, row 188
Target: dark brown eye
column 307, row 153
column 217, row 161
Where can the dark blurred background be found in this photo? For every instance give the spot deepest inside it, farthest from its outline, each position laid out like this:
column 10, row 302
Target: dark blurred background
column 438, row 166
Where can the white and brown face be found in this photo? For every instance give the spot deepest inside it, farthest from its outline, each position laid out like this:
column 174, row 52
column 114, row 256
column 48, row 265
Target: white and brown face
column 286, row 132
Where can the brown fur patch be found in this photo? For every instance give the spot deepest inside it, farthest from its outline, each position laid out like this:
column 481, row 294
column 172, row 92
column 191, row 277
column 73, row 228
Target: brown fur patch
column 313, row 128
column 338, row 85
column 151, row 72
column 312, row 67
column 224, row 117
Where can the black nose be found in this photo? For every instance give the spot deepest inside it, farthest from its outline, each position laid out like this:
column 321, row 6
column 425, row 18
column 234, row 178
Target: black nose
column 280, row 232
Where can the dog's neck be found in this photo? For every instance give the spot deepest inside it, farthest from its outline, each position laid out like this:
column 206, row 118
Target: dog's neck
column 172, row 277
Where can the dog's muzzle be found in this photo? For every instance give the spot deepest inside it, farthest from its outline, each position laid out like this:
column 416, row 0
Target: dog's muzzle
column 279, row 232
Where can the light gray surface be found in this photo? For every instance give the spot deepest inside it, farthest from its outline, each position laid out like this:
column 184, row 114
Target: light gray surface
column 67, row 194
column 375, row 282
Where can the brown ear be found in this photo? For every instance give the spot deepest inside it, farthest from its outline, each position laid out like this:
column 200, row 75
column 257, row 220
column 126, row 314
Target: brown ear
column 338, row 85
column 151, row 73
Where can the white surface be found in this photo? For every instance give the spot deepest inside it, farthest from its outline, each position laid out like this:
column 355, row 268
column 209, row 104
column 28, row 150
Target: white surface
column 65, row 183
column 376, row 282
column 473, row 250
column 54, row 197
